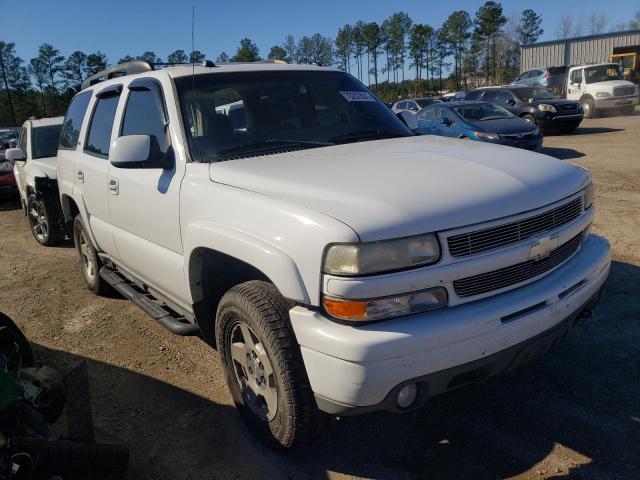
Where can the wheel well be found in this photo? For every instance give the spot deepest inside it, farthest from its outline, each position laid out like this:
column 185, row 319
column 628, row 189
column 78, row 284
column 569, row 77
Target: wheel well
column 211, row 275
column 586, row 96
column 70, row 210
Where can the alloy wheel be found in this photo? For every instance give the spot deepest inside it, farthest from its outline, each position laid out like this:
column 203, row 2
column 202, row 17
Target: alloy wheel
column 38, row 220
column 86, row 256
column 253, row 372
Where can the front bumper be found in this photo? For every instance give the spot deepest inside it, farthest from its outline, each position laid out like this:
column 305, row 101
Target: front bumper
column 617, row 102
column 359, row 369
column 555, row 120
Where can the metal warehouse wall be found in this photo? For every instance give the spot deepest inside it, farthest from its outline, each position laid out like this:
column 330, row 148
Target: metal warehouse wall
column 573, row 51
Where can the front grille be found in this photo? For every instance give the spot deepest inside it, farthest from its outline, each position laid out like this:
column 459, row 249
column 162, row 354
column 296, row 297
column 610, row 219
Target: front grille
column 490, row 238
column 569, row 107
column 624, row 90
column 518, row 136
column 504, row 277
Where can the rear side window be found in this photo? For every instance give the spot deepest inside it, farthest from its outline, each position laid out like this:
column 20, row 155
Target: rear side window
column 426, row 114
column 144, row 115
column 99, row 136
column 73, row 121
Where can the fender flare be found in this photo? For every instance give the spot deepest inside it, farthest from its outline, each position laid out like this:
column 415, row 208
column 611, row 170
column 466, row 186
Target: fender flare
column 82, row 208
column 275, row 264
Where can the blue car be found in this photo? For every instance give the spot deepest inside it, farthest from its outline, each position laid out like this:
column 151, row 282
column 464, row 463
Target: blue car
column 481, row 121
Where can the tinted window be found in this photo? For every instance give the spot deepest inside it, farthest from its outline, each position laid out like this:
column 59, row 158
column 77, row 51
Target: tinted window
column 525, row 94
column 99, row 136
column 144, row 115
column 473, row 95
column 446, row 113
column 482, row 111
column 44, row 141
column 22, row 143
column 229, row 115
column 499, row 97
column 73, row 121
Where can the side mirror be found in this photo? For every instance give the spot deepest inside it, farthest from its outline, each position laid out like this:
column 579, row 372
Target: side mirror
column 409, row 119
column 511, row 102
column 445, row 121
column 13, row 154
column 138, row 151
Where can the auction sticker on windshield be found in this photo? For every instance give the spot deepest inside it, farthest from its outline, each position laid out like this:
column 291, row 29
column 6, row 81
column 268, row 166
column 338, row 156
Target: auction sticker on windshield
column 355, row 96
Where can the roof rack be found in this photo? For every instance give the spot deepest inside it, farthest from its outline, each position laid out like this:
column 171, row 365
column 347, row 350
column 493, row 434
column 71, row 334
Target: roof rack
column 131, row 68
column 126, row 68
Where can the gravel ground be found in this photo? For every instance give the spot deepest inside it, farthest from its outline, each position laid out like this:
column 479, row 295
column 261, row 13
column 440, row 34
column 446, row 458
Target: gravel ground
column 573, row 414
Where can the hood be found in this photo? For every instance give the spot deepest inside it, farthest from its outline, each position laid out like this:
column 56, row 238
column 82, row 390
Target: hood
column 399, row 187
column 504, row 125
column 609, row 85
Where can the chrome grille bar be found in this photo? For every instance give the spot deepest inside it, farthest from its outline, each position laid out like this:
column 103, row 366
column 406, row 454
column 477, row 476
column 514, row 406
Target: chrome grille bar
column 486, row 239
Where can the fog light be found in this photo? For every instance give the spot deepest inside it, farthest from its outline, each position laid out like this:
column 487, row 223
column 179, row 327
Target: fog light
column 407, row 395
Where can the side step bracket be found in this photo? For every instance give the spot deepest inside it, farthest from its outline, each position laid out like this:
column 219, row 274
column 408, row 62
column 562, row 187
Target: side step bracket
column 165, row 317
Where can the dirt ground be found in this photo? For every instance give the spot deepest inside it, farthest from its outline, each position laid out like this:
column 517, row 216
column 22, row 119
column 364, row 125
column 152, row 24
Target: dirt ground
column 573, row 414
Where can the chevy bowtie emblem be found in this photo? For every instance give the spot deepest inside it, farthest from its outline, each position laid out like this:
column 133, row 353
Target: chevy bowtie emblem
column 543, row 247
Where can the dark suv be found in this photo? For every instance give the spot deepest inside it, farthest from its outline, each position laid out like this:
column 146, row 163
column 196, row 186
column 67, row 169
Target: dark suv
column 534, row 104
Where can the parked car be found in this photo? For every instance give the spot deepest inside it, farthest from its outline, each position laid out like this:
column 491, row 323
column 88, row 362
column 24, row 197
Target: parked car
column 8, row 188
column 550, row 78
column 412, row 105
column 339, row 263
column 482, row 121
column 35, row 172
column 534, row 104
column 453, row 96
column 601, row 88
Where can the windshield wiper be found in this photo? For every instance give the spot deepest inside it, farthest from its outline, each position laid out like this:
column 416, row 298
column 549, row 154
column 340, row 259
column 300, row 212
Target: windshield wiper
column 271, row 145
column 366, row 133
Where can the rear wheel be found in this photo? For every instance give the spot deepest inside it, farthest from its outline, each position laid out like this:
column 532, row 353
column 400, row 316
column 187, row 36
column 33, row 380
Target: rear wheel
column 88, row 259
column 44, row 221
column 588, row 108
column 264, row 368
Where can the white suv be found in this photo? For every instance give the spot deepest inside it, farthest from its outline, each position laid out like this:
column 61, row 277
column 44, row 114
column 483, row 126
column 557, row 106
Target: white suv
column 35, row 171
column 339, row 263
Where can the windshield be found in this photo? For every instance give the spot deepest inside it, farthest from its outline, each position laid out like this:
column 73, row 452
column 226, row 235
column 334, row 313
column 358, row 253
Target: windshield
column 479, row 112
column 524, row 94
column 602, row 73
column 231, row 115
column 44, row 141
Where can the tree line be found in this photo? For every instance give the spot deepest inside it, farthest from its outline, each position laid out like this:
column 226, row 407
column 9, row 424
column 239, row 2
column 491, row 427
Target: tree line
column 396, row 58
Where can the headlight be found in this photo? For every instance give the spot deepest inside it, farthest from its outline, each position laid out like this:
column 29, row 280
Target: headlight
column 488, row 136
column 6, row 166
column 545, row 107
column 589, row 195
column 376, row 257
column 603, row 94
column 371, row 310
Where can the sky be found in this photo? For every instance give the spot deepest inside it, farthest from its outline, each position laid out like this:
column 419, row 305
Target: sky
column 118, row 27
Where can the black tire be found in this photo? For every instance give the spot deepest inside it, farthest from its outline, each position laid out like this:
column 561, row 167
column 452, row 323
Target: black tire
column 88, row 259
column 529, row 118
column 46, row 229
column 588, row 107
column 260, row 306
column 10, row 331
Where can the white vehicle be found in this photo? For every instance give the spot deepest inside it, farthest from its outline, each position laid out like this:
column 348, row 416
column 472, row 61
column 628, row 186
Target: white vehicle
column 339, row 263
column 601, row 88
column 35, row 171
column 413, row 105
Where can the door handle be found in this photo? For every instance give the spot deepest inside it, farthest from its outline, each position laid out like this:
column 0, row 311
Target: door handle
column 80, row 176
column 113, row 186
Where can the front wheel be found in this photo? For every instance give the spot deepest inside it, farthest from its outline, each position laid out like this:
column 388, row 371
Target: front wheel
column 588, row 108
column 264, row 368
column 529, row 118
column 44, row 221
column 88, row 258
